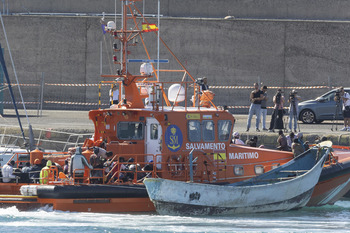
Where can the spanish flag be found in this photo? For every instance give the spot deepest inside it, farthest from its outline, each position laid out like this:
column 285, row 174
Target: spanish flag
column 149, row 27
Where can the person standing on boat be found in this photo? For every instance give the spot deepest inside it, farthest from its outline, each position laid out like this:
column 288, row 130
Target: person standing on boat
column 277, row 114
column 7, row 172
column 66, row 166
column 25, row 173
column 102, row 153
column 34, row 173
column 114, row 95
column 204, row 85
column 97, row 172
column 255, row 107
column 263, row 107
column 46, row 174
column 78, row 163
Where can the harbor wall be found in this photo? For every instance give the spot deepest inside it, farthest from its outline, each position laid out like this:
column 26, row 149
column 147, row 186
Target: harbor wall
column 238, row 52
column 261, row 9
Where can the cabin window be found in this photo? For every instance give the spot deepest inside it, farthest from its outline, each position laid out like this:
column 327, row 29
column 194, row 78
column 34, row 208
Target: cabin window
column 224, row 129
column 208, row 131
column 130, row 130
column 154, row 131
column 238, row 170
column 194, row 131
column 259, row 169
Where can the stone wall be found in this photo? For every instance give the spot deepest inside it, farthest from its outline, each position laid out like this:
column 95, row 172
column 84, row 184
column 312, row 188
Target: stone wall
column 260, row 9
column 279, row 53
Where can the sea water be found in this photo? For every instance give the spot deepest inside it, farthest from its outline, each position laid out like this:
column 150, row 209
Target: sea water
column 335, row 218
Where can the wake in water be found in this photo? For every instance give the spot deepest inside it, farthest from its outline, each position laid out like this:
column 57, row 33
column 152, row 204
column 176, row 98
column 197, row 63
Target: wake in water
column 315, row 219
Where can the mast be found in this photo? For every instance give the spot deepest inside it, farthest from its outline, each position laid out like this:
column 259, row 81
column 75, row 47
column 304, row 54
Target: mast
column 150, row 67
column 124, row 37
column 2, row 62
column 31, row 135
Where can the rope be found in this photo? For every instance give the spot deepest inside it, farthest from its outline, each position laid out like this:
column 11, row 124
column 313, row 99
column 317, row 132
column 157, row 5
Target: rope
column 249, row 107
column 108, row 84
column 53, row 102
column 71, row 103
column 250, row 87
column 75, row 85
column 211, row 87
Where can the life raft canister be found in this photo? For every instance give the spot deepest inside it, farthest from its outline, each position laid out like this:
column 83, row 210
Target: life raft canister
column 36, row 154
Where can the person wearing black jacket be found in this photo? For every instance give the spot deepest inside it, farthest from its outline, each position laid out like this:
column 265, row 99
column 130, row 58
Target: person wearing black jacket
column 277, row 114
column 256, row 97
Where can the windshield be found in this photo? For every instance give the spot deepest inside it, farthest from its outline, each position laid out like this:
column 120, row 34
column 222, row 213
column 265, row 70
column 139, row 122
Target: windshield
column 130, row 130
column 328, row 96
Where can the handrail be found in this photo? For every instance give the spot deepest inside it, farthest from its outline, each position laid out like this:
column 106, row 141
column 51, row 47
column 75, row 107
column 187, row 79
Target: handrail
column 41, row 138
column 165, row 165
column 16, row 178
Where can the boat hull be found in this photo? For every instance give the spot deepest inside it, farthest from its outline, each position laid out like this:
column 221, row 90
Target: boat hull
column 96, row 198
column 91, row 191
column 166, row 208
column 180, row 198
column 334, row 183
column 101, row 205
column 277, row 190
column 82, row 198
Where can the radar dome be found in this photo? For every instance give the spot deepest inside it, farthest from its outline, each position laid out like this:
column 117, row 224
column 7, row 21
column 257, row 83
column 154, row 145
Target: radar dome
column 111, row 25
column 176, row 93
column 146, row 69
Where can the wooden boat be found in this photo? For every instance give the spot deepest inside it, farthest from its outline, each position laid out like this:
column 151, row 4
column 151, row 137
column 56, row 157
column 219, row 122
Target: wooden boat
column 334, row 181
column 287, row 187
column 164, row 129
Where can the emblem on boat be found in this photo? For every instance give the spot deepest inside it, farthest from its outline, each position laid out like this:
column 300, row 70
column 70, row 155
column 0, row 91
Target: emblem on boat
column 173, row 138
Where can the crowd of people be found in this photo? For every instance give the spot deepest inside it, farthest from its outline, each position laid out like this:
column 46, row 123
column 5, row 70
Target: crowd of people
column 101, row 165
column 27, row 173
column 258, row 107
column 292, row 142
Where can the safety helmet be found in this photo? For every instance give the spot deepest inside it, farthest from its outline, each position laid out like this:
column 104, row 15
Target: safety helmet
column 235, row 135
column 48, row 163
